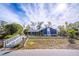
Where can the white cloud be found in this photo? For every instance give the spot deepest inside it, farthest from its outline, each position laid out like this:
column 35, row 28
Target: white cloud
column 58, row 14
column 53, row 16
column 61, row 7
column 8, row 15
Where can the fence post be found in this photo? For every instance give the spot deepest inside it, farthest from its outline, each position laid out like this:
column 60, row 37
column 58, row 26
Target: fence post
column 4, row 44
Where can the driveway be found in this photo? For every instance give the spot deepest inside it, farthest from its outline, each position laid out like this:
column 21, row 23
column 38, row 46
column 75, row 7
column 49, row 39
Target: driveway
column 41, row 52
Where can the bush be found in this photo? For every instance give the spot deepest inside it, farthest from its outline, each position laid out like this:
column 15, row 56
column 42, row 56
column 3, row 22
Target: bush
column 2, row 36
column 13, row 28
column 9, row 36
column 71, row 33
column 71, row 41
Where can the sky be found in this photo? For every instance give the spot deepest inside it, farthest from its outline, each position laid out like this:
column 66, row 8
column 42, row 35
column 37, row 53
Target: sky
column 24, row 13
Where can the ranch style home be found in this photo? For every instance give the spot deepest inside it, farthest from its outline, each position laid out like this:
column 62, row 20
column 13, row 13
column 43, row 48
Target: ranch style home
column 48, row 31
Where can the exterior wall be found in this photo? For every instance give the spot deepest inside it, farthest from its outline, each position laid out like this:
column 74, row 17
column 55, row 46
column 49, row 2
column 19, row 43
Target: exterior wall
column 53, row 32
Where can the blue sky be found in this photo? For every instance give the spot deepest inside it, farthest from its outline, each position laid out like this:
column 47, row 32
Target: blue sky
column 57, row 13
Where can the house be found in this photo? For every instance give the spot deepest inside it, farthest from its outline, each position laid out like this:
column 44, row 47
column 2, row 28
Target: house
column 43, row 32
column 49, row 31
column 2, row 24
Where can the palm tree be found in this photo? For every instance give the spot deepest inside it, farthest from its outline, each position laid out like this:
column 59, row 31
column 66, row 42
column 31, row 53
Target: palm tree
column 49, row 24
column 76, row 24
column 32, row 26
column 66, row 25
column 61, row 30
column 39, row 26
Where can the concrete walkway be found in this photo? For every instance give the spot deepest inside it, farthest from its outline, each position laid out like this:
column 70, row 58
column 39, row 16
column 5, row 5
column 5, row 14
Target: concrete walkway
column 41, row 52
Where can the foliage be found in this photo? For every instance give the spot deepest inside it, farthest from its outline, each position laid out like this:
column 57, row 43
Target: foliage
column 13, row 28
column 9, row 36
column 26, row 29
column 39, row 25
column 71, row 33
column 2, row 36
column 71, row 30
column 33, row 26
column 62, row 31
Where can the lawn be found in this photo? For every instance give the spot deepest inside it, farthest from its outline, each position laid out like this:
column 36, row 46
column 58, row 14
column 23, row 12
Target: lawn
column 50, row 44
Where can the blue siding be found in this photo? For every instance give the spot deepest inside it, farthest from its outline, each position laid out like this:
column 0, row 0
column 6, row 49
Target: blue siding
column 52, row 31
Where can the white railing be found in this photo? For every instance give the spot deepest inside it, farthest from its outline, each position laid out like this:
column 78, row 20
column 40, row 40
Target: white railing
column 13, row 41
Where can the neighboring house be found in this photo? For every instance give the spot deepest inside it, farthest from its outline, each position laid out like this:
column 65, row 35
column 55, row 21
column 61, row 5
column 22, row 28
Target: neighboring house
column 2, row 24
column 43, row 32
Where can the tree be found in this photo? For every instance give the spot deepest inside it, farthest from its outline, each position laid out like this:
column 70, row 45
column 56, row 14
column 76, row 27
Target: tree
column 66, row 25
column 39, row 26
column 71, row 34
column 62, row 30
column 76, row 24
column 26, row 29
column 70, row 30
column 13, row 28
column 49, row 24
column 32, row 26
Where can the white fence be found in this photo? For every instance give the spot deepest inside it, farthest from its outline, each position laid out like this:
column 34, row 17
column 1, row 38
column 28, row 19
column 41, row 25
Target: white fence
column 13, row 41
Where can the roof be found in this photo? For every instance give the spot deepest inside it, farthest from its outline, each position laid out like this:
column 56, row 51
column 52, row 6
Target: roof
column 32, row 30
column 3, row 22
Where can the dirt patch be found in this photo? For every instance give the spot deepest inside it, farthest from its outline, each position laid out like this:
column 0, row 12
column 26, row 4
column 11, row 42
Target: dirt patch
column 50, row 44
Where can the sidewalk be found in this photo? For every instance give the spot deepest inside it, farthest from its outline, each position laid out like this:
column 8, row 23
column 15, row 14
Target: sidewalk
column 42, row 52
